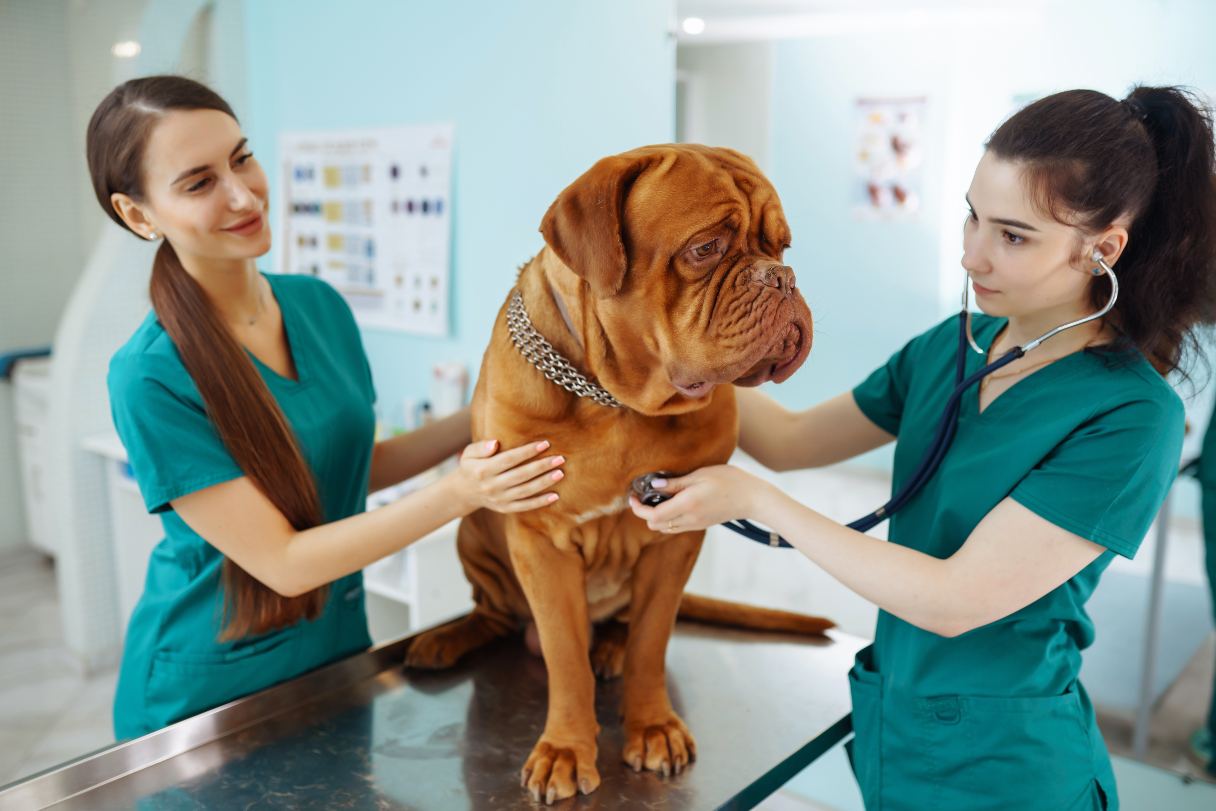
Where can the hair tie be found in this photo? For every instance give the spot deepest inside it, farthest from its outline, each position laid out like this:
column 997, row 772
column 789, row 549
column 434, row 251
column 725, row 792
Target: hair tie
column 1136, row 108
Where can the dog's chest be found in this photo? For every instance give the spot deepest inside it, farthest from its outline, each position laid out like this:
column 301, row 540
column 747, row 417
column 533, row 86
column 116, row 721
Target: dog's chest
column 613, row 507
column 608, row 591
column 602, row 465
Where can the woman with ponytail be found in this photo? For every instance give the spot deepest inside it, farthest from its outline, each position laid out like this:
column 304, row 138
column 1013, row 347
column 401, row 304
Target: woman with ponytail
column 245, row 403
column 969, row 697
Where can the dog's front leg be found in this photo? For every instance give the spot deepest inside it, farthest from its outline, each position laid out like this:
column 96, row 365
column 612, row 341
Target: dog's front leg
column 655, row 737
column 554, row 582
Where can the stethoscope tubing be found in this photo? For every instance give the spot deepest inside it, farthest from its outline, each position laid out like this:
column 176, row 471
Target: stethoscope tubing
column 947, row 426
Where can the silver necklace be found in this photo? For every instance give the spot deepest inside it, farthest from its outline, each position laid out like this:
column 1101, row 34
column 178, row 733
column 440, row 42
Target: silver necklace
column 253, row 319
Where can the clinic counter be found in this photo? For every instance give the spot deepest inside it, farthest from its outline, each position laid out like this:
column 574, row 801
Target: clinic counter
column 363, row 733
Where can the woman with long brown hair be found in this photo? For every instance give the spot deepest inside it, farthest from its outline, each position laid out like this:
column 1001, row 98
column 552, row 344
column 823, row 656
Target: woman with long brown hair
column 970, row 696
column 245, row 403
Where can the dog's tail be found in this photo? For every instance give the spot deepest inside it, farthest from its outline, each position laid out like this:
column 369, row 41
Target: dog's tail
column 738, row 615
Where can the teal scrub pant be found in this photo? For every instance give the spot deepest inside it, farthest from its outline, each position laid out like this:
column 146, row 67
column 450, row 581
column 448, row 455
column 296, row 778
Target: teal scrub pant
column 1209, row 554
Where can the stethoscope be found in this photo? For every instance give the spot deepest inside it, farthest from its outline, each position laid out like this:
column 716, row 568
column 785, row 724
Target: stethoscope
column 946, row 426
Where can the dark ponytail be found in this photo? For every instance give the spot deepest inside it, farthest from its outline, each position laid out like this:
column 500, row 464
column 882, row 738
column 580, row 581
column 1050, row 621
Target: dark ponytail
column 246, row 416
column 1090, row 160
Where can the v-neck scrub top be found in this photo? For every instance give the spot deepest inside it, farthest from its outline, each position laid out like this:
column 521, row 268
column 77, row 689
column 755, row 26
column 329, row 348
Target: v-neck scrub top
column 996, row 718
column 172, row 664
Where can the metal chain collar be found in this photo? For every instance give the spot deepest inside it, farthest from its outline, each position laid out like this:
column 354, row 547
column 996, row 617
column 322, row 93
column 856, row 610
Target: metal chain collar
column 541, row 354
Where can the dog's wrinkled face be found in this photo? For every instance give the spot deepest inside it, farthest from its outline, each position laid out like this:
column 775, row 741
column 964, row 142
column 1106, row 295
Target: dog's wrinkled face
column 681, row 248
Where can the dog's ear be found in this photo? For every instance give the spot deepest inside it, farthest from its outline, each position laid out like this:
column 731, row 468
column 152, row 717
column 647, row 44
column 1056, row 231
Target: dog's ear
column 583, row 226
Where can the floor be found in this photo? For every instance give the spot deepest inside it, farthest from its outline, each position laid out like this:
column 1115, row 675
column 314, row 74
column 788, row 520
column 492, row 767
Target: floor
column 50, row 713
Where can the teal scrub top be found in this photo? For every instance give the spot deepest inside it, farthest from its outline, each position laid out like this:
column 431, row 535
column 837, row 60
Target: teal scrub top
column 172, row 664
column 996, row 718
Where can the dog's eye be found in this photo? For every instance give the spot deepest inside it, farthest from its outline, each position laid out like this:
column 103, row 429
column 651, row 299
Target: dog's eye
column 709, row 248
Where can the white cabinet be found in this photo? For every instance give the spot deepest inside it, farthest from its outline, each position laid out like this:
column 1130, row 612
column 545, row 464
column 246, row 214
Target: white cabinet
column 31, row 385
column 424, row 581
column 133, row 532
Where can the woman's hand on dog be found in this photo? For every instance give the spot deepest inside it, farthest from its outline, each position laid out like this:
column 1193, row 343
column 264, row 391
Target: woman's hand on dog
column 510, row 481
column 701, row 499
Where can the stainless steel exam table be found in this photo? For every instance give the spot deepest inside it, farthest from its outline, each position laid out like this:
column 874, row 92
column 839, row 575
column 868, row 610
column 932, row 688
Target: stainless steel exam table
column 365, row 734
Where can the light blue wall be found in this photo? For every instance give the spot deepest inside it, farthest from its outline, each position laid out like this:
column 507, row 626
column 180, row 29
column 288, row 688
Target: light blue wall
column 873, row 285
column 537, row 89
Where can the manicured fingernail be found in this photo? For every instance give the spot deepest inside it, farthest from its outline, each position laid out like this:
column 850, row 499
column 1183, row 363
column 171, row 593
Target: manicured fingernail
column 490, row 445
column 658, row 482
column 540, row 446
column 557, row 460
column 552, row 497
column 556, row 475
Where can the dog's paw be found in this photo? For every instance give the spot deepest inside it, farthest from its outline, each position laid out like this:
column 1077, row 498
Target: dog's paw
column 436, row 650
column 608, row 650
column 661, row 744
column 554, row 772
column 443, row 647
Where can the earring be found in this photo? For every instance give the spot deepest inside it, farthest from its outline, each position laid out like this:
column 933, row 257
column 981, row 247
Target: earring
column 152, row 235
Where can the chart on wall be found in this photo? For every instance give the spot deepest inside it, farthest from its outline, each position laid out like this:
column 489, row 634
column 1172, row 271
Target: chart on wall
column 887, row 157
column 369, row 211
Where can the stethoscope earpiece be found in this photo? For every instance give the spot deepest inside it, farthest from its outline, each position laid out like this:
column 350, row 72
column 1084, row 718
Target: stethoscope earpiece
column 1101, row 260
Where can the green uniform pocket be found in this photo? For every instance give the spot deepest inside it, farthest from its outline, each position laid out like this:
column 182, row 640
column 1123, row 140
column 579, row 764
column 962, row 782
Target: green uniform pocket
column 865, row 748
column 185, row 683
column 1008, row 752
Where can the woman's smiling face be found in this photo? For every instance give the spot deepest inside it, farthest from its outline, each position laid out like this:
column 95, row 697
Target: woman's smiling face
column 203, row 189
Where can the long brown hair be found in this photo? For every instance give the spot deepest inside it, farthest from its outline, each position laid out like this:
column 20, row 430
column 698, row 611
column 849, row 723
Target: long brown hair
column 249, row 421
column 1090, row 160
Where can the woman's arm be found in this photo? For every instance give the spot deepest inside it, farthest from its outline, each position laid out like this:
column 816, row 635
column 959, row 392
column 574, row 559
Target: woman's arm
column 1012, row 558
column 781, row 439
column 403, row 457
column 238, row 520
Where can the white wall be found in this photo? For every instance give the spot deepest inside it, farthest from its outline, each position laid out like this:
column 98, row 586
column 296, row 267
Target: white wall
column 38, row 213
column 727, row 97
column 55, row 65
column 93, row 28
column 39, row 225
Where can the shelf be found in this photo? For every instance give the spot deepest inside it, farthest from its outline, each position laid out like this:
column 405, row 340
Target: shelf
column 373, row 586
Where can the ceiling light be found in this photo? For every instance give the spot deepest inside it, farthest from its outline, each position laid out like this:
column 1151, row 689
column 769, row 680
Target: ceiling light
column 126, row 49
column 693, row 25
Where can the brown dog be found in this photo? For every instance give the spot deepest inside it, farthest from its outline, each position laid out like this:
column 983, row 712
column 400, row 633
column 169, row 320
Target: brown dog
column 661, row 281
